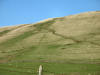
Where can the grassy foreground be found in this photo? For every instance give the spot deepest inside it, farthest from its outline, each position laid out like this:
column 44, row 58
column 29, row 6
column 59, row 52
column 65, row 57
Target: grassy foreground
column 31, row 68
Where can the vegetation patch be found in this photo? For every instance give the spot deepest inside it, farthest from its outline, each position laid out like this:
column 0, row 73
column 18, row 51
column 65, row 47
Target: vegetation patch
column 4, row 32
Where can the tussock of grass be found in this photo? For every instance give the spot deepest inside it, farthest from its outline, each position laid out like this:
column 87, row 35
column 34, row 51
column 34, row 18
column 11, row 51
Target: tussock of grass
column 4, row 32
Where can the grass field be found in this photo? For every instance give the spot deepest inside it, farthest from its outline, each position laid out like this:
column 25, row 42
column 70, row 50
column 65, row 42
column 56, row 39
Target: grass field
column 31, row 68
column 26, row 62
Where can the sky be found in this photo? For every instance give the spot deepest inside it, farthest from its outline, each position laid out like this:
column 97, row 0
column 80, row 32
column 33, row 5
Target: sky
column 14, row 12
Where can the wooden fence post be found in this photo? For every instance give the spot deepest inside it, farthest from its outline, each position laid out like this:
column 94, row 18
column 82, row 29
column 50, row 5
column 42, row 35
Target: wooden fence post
column 40, row 70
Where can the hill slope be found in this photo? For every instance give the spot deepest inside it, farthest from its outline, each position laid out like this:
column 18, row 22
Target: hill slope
column 74, row 39
column 71, row 37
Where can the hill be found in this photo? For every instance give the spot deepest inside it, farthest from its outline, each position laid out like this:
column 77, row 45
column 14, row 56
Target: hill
column 70, row 39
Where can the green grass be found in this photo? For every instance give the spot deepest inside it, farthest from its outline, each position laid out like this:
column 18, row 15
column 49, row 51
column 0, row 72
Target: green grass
column 17, row 39
column 30, row 68
column 27, row 60
column 4, row 32
column 45, row 25
column 14, row 40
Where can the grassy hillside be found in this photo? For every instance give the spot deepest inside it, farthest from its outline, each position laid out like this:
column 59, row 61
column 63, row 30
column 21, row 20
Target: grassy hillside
column 67, row 45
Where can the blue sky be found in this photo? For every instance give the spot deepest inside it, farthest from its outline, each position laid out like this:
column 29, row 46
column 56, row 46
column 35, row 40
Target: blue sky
column 14, row 12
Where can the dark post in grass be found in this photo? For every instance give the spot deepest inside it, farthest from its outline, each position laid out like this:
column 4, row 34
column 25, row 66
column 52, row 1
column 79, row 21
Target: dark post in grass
column 40, row 70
